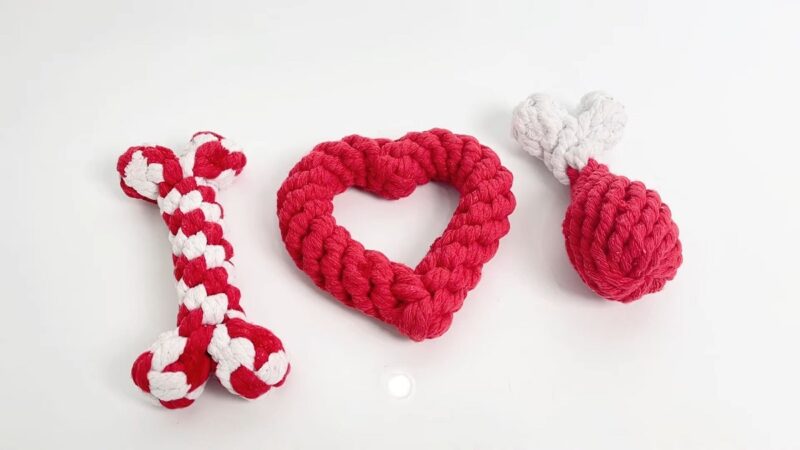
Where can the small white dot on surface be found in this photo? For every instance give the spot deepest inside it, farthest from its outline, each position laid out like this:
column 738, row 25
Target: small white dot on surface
column 399, row 385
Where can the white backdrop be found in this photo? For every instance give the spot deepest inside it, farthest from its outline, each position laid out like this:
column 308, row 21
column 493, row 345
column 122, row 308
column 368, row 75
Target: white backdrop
column 533, row 360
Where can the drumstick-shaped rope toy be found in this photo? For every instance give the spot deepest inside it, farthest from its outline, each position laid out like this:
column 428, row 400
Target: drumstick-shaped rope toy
column 620, row 236
column 212, row 333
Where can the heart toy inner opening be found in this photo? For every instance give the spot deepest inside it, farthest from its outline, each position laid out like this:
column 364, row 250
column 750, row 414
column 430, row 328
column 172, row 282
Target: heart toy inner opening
column 403, row 229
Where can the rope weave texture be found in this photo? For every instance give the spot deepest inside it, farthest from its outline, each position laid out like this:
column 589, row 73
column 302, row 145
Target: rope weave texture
column 420, row 301
column 620, row 236
column 212, row 331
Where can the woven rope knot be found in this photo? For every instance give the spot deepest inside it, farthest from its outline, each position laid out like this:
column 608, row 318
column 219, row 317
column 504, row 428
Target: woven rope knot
column 212, row 332
column 619, row 236
column 548, row 131
column 420, row 301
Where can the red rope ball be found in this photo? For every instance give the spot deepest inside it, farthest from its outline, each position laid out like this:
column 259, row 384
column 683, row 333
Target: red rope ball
column 419, row 302
column 619, row 236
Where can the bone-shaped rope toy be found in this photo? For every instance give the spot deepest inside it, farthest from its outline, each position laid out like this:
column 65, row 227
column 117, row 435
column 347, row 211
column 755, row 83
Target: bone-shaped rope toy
column 212, row 331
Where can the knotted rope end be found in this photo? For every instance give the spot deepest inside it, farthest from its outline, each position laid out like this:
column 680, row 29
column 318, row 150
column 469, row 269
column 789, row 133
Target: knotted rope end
column 547, row 130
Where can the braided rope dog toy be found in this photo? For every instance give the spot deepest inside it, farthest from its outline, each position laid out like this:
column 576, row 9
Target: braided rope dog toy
column 620, row 237
column 212, row 332
column 419, row 302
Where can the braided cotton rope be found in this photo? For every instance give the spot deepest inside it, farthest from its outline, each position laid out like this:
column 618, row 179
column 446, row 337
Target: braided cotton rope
column 620, row 237
column 419, row 302
column 212, row 332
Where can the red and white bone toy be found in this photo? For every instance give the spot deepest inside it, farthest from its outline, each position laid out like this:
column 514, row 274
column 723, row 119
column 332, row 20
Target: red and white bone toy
column 212, row 332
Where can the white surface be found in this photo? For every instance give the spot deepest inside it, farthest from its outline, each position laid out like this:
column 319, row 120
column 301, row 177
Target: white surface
column 533, row 360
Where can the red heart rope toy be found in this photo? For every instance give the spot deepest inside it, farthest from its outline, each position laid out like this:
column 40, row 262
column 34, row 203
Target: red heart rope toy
column 212, row 332
column 419, row 302
column 620, row 237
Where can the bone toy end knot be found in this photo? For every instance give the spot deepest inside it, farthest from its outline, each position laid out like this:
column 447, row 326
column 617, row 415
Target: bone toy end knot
column 547, row 130
column 143, row 169
column 147, row 171
column 250, row 358
column 213, row 158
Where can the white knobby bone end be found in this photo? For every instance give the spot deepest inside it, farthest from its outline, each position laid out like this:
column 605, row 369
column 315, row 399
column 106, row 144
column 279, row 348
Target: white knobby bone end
column 547, row 130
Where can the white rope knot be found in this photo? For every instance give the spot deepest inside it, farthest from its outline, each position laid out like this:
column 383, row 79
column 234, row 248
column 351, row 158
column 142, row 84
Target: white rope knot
column 547, row 130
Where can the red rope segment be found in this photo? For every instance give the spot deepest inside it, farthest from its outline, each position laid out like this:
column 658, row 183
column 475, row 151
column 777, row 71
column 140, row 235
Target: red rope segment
column 419, row 302
column 620, row 237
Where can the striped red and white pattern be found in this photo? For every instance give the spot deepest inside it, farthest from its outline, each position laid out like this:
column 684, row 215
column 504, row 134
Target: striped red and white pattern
column 212, row 333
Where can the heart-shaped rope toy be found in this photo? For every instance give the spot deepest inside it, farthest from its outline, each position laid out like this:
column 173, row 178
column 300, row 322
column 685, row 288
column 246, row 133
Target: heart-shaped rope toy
column 419, row 302
column 213, row 333
column 620, row 236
